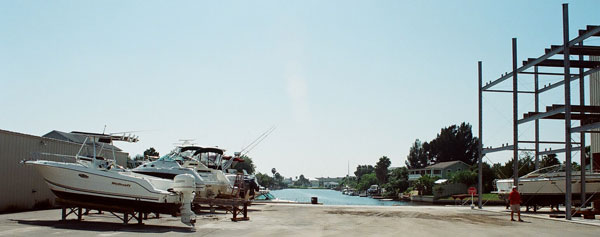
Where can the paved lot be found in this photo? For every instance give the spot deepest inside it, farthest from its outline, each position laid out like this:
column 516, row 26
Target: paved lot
column 305, row 220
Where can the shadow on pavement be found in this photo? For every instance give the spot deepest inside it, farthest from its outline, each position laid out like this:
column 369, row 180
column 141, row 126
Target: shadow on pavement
column 105, row 226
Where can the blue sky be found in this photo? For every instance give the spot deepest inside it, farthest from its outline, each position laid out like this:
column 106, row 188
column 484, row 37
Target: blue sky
column 343, row 81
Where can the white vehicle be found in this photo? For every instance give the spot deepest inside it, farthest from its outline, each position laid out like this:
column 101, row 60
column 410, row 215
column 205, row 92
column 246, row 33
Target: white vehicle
column 546, row 186
column 100, row 181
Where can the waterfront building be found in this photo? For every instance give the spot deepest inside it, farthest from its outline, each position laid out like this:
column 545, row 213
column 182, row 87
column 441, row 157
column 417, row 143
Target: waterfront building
column 442, row 170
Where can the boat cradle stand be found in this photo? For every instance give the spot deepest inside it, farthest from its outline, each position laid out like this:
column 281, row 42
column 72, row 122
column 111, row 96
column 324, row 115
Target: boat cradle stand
column 230, row 205
column 74, row 207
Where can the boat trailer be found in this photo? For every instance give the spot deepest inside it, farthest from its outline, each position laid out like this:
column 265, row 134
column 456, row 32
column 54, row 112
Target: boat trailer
column 127, row 214
column 77, row 208
column 229, row 204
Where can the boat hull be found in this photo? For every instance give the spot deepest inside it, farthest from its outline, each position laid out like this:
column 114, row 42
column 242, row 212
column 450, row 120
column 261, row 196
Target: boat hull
column 550, row 191
column 138, row 206
column 71, row 181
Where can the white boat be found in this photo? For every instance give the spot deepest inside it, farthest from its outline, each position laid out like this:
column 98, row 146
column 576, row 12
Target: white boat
column 210, row 182
column 92, row 179
column 546, row 186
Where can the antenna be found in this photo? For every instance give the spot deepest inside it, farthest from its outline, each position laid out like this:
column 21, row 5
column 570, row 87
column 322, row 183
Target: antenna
column 257, row 141
column 185, row 142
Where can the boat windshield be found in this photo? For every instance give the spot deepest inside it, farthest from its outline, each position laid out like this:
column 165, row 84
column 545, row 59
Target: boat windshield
column 211, row 159
column 178, row 157
column 546, row 170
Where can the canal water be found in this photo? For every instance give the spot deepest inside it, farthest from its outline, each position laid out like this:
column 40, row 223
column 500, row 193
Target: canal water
column 332, row 197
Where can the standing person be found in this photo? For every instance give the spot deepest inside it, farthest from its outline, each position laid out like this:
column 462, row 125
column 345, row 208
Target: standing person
column 514, row 199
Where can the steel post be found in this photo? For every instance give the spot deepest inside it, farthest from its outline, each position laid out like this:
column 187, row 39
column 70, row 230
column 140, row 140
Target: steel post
column 480, row 145
column 515, row 116
column 567, row 111
column 537, row 121
column 582, row 134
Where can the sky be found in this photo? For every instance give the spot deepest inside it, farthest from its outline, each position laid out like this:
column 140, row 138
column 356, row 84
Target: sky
column 343, row 82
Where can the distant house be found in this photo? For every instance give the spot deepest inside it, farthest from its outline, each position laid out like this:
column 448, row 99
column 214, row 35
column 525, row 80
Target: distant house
column 331, row 184
column 289, row 181
column 443, row 170
column 314, row 182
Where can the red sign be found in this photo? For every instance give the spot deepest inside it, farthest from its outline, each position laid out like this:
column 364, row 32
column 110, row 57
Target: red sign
column 472, row 191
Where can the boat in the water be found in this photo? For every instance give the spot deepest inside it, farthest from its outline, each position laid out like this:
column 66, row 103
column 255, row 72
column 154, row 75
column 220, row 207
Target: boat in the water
column 98, row 180
column 546, row 186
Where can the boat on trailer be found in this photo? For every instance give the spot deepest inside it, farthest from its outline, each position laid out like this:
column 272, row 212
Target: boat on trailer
column 98, row 181
column 201, row 162
column 546, row 186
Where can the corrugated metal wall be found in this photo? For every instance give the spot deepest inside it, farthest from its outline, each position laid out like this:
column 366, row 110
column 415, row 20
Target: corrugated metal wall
column 595, row 100
column 23, row 188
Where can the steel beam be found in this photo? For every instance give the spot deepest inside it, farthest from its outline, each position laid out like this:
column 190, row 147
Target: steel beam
column 480, row 145
column 537, row 121
column 562, row 150
column 582, row 134
column 590, row 32
column 496, row 149
column 573, row 78
column 581, row 117
column 580, row 50
column 542, row 115
column 561, row 63
column 507, row 91
column 546, row 142
column 515, row 115
column 586, row 127
column 544, row 73
column 567, row 67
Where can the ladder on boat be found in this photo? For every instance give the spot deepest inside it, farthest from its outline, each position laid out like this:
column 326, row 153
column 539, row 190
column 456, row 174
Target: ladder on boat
column 238, row 186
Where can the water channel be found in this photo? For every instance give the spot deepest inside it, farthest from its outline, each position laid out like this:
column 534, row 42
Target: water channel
column 332, row 197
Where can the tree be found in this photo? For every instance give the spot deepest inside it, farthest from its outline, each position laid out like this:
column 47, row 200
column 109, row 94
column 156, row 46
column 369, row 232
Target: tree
column 488, row 177
column 425, row 184
column 454, row 143
column 264, row 180
column 278, row 179
column 302, row 181
column 247, row 165
column 349, row 181
column 417, row 157
column 362, row 170
column 275, row 182
column 466, row 177
column 526, row 165
column 549, row 160
column 575, row 166
column 381, row 169
column 398, row 181
column 366, row 181
column 150, row 152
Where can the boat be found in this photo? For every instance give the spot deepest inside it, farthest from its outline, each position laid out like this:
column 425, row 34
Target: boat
column 374, row 190
column 100, row 181
column 546, row 186
column 250, row 182
column 267, row 197
column 210, row 181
